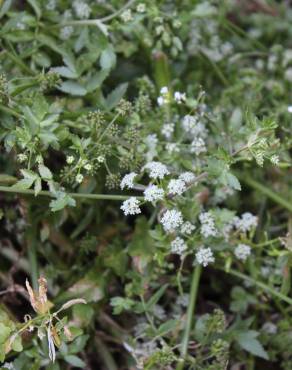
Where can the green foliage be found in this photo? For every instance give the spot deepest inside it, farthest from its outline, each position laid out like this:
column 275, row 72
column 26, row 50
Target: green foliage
column 143, row 143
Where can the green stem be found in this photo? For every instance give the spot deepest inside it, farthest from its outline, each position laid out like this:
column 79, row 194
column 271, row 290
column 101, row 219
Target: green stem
column 265, row 287
column 32, row 256
column 190, row 314
column 9, row 111
column 7, row 189
column 105, row 355
column 268, row 192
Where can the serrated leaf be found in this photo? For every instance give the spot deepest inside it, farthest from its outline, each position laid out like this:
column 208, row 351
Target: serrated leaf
column 248, row 341
column 115, row 96
column 232, row 181
column 96, row 80
column 23, row 184
column 16, row 345
column 45, row 172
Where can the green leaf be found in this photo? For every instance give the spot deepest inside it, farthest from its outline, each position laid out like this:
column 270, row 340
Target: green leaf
column 4, row 332
column 232, row 181
column 73, row 88
column 95, row 81
column 248, row 342
column 17, row 344
column 167, row 327
column 108, row 58
column 34, row 4
column 45, row 172
column 23, row 184
column 155, row 298
column 37, row 186
column 5, row 7
column 63, row 200
column 115, row 96
column 75, row 361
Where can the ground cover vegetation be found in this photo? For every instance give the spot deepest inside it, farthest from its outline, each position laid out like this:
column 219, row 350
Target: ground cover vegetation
column 145, row 184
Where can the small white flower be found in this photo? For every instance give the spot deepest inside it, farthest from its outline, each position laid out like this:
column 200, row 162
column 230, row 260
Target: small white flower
column 128, row 181
column 289, row 109
column 156, row 170
column 204, row 256
column 183, row 300
column 141, row 8
column 198, row 146
column 176, row 187
column 79, row 178
column 189, row 123
column 126, row 16
column 208, row 227
column 100, row 159
column 270, row 328
column 21, row 157
column 178, row 246
column 66, row 32
column 88, row 167
column 242, row 251
column 179, row 97
column 246, row 223
column 275, row 159
column 70, row 159
column 172, row 148
column 161, row 100
column 164, row 90
column 187, row 177
column 187, row 228
column 153, row 193
column 167, row 130
column 82, row 10
column 131, row 206
column 171, row 220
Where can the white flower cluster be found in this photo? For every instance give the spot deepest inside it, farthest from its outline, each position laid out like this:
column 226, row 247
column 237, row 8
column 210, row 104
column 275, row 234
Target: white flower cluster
column 126, row 16
column 82, row 9
column 187, row 228
column 187, row 177
column 172, row 148
column 171, row 220
column 193, row 126
column 153, row 193
column 198, row 146
column 178, row 246
column 66, row 32
column 176, row 187
column 204, row 256
column 156, row 170
column 179, row 97
column 208, row 227
column 165, row 96
column 246, row 223
column 128, row 181
column 151, row 142
column 131, row 206
column 167, row 130
column 242, row 251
